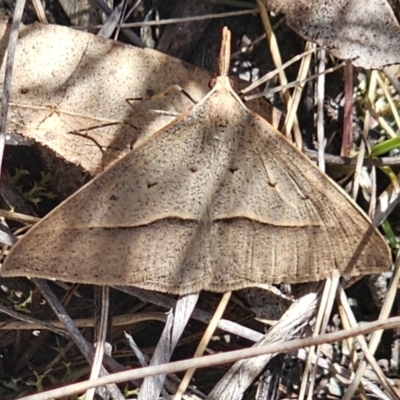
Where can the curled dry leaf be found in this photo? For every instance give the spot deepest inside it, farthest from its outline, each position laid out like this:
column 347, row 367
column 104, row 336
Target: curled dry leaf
column 83, row 86
column 365, row 32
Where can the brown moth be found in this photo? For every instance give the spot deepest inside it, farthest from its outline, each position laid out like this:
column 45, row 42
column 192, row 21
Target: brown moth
column 216, row 200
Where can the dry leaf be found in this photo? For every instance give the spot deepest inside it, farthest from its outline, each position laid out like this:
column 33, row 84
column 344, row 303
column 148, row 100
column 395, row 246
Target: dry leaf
column 82, row 81
column 365, row 32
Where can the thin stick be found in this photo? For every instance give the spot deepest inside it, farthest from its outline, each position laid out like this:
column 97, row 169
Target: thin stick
column 320, row 110
column 292, row 84
column 274, row 48
column 177, row 20
column 294, row 101
column 389, row 98
column 376, row 337
column 173, row 329
column 101, row 340
column 203, row 343
column 324, row 312
column 216, row 359
column 25, row 322
column 371, row 96
column 349, row 321
column 74, row 332
column 11, row 48
column 347, row 140
column 271, row 74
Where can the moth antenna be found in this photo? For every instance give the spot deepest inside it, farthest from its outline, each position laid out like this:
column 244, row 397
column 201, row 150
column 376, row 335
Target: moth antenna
column 225, row 54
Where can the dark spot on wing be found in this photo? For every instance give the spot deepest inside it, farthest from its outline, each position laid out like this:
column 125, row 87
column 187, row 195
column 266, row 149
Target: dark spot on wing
column 151, row 184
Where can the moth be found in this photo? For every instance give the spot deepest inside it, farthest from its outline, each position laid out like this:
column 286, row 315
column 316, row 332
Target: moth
column 217, row 200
